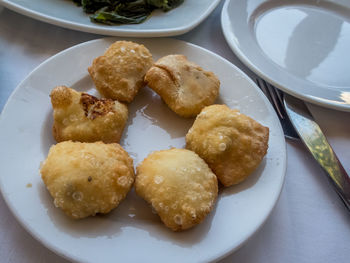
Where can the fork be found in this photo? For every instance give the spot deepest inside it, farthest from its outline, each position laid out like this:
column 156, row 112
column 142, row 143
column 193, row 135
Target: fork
column 275, row 97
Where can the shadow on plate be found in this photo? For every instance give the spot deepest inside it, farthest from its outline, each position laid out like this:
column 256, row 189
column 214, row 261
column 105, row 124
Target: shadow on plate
column 248, row 183
column 149, row 105
column 85, row 84
column 133, row 212
column 97, row 226
column 47, row 139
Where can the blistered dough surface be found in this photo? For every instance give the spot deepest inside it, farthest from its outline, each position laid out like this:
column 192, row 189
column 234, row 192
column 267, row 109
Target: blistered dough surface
column 81, row 117
column 118, row 74
column 184, row 86
column 179, row 185
column 87, row 178
column 232, row 143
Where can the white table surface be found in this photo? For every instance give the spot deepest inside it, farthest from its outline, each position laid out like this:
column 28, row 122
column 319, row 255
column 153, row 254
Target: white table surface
column 308, row 224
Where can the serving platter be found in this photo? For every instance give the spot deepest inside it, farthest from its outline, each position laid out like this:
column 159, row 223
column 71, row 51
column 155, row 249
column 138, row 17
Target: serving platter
column 66, row 14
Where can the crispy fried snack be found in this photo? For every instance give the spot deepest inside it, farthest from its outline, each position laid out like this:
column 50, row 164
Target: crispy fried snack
column 184, row 86
column 119, row 73
column 232, row 144
column 179, row 185
column 82, row 117
column 87, row 178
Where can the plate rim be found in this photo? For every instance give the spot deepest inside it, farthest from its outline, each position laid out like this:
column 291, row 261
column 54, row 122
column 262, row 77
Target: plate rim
column 114, row 32
column 250, row 64
column 215, row 257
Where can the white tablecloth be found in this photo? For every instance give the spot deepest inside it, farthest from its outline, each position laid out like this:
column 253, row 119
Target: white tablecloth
column 308, row 224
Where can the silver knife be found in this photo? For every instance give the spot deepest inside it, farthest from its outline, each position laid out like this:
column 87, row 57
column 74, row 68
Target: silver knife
column 315, row 141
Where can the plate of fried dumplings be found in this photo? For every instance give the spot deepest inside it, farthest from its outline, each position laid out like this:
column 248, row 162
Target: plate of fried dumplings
column 156, row 145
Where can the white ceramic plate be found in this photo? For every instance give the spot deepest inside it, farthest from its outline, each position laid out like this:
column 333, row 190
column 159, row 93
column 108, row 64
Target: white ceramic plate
column 300, row 46
column 66, row 14
column 132, row 233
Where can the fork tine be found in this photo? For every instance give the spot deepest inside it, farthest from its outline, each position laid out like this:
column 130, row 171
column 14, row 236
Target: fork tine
column 279, row 95
column 262, row 86
column 276, row 101
column 268, row 91
column 275, row 97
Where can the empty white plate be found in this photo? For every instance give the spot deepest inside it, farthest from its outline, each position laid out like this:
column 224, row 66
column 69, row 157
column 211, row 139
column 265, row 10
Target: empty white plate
column 300, row 46
column 66, row 14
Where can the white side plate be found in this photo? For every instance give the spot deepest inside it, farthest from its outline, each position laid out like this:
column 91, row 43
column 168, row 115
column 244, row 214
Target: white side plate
column 300, row 46
column 132, row 233
column 66, row 14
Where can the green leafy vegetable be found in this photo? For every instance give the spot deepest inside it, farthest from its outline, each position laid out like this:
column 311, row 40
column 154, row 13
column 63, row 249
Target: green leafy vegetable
column 166, row 5
column 124, row 11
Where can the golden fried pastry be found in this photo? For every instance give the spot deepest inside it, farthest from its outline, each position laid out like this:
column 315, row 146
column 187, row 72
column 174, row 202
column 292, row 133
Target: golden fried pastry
column 87, row 178
column 232, row 144
column 119, row 73
column 179, row 185
column 184, row 86
column 82, row 117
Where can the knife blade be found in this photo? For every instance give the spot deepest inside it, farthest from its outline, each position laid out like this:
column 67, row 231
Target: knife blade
column 315, row 141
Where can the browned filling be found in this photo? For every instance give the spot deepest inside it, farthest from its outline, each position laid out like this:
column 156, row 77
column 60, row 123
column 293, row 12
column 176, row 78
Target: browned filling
column 94, row 107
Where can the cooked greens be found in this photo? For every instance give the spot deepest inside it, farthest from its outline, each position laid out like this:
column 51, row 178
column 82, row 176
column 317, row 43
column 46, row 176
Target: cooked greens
column 124, row 11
